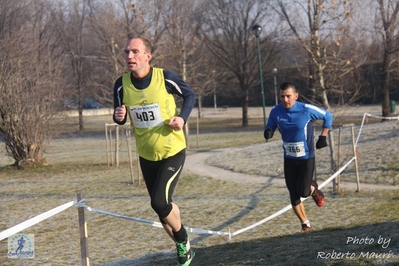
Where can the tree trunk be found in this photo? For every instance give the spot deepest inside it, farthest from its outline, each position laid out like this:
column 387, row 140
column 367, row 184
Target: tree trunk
column 312, row 81
column 199, row 105
column 385, row 107
column 245, row 109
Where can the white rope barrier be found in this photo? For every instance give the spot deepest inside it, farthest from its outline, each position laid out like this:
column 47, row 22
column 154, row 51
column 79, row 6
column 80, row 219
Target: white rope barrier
column 137, row 220
column 37, row 219
column 383, row 117
column 210, row 232
column 336, row 173
column 288, row 207
column 361, row 127
column 373, row 116
column 17, row 228
column 152, row 223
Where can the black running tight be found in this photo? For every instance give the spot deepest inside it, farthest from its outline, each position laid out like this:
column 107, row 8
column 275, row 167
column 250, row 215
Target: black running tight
column 161, row 178
column 298, row 176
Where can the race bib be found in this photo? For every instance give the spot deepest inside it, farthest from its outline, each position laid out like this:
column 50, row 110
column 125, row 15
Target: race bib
column 146, row 116
column 295, row 149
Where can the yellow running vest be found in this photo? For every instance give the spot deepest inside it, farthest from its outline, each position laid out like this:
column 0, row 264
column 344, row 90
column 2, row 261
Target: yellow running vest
column 150, row 110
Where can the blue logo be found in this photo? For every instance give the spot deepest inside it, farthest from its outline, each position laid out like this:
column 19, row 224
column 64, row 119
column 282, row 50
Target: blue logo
column 21, row 246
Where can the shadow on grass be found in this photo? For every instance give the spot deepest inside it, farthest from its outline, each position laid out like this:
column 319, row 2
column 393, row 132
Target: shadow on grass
column 252, row 203
column 375, row 244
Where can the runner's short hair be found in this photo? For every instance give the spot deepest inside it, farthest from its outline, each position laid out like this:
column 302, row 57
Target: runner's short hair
column 147, row 43
column 287, row 85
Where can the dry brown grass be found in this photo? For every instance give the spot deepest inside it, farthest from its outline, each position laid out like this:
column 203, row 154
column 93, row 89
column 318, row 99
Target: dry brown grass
column 78, row 161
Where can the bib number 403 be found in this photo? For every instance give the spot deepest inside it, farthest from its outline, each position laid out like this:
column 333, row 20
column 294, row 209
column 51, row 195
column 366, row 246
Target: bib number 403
column 145, row 116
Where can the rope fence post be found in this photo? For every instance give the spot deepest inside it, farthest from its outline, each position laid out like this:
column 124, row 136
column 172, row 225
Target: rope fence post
column 337, row 182
column 129, row 151
column 110, row 143
column 331, row 146
column 186, row 130
column 83, row 231
column 197, row 130
column 117, row 146
column 355, row 155
column 107, row 148
column 108, row 140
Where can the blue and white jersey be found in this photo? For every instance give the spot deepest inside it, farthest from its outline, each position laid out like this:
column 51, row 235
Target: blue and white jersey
column 296, row 129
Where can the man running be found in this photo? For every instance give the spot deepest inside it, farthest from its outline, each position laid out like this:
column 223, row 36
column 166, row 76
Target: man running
column 294, row 121
column 145, row 95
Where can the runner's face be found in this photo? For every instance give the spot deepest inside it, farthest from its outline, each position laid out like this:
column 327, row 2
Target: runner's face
column 137, row 59
column 288, row 97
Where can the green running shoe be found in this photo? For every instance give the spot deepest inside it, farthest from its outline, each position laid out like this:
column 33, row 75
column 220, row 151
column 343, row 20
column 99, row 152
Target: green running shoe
column 184, row 253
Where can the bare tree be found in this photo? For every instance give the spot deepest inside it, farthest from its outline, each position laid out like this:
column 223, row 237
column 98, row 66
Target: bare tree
column 70, row 22
column 143, row 18
column 107, row 32
column 30, row 81
column 184, row 49
column 227, row 28
column 389, row 16
column 110, row 34
column 323, row 29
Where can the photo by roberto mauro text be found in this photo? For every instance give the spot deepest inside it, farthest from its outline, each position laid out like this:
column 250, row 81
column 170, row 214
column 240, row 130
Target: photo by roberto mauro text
column 374, row 248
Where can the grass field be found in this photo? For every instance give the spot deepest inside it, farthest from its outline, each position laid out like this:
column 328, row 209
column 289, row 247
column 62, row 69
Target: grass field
column 353, row 228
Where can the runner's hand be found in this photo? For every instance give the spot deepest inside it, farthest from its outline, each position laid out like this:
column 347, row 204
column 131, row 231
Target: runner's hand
column 176, row 123
column 268, row 133
column 321, row 142
column 120, row 113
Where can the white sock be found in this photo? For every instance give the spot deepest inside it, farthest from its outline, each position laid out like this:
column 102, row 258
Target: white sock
column 307, row 223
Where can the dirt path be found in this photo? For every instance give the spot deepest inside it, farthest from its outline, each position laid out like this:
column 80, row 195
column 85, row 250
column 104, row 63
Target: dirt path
column 196, row 164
